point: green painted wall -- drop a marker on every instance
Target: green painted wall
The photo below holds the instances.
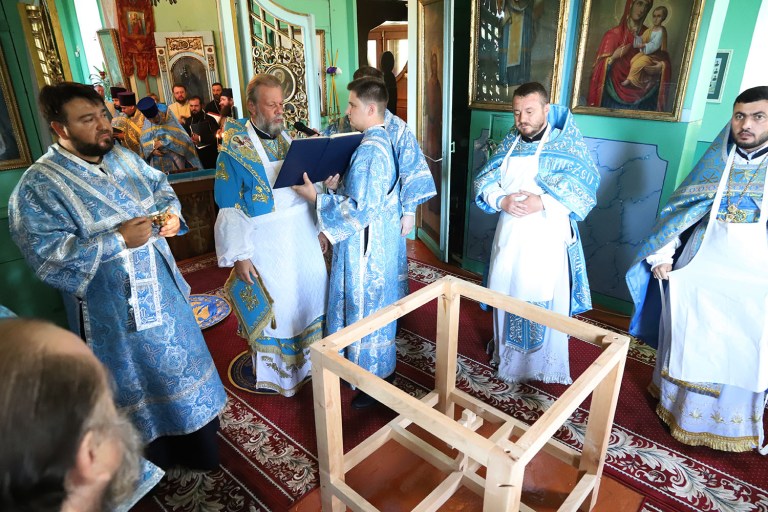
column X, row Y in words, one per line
column 740, row 19
column 20, row 290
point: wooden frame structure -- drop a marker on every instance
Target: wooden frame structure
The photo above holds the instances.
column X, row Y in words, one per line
column 504, row 460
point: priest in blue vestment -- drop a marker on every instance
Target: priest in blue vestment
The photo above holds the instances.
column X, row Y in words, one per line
column 543, row 180
column 710, row 247
column 165, row 145
column 92, row 219
column 362, row 221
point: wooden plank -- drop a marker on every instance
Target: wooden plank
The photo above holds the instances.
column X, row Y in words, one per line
column 598, row 434
column 571, row 326
column 463, row 439
column 503, row 482
column 579, row 493
column 426, row 451
column 354, row 332
column 330, row 444
column 446, row 349
column 442, row 493
column 482, row 409
column 554, row 417
column 351, row 498
column 364, row 450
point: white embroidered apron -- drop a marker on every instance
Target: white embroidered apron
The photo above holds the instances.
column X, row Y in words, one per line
column 718, row 304
column 527, row 252
column 288, row 237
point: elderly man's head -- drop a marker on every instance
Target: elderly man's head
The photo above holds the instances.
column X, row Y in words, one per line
column 265, row 103
column 64, row 446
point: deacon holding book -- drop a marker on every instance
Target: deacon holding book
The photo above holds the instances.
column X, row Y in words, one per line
column 416, row 182
column 270, row 237
column 362, row 221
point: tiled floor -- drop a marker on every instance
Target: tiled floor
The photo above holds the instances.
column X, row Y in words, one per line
column 394, row 479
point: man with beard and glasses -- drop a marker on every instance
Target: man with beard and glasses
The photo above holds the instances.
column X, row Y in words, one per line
column 270, row 237
column 710, row 244
column 202, row 130
column 541, row 180
column 65, row 446
column 212, row 107
column 92, row 219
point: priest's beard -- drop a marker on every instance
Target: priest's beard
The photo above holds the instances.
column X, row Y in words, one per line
column 759, row 141
column 123, row 482
column 92, row 149
column 274, row 128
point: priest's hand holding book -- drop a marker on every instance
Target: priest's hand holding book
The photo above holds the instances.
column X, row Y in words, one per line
column 308, row 190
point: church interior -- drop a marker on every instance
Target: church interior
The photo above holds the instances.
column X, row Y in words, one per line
column 454, row 77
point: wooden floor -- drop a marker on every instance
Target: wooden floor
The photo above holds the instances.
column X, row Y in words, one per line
column 394, row 479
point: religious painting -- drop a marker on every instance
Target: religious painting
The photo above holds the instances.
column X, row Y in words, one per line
column 719, row 71
column 515, row 42
column 634, row 57
column 111, row 50
column 136, row 26
column 14, row 152
column 191, row 72
column 430, row 106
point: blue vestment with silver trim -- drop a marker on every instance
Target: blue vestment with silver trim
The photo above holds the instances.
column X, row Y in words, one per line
column 64, row 216
column 362, row 220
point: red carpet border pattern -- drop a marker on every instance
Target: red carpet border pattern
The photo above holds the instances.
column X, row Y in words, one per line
column 285, row 470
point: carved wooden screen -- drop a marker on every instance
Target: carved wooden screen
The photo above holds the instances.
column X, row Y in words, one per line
column 277, row 48
column 46, row 58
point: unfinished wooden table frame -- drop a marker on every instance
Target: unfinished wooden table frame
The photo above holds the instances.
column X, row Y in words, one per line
column 505, row 461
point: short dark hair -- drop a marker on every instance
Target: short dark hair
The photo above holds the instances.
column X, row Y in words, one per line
column 370, row 90
column 368, row 71
column 48, row 401
column 217, row 83
column 531, row 88
column 179, row 85
column 752, row 95
column 195, row 97
column 52, row 99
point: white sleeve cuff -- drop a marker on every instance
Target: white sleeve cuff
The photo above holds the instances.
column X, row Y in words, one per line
column 664, row 255
column 493, row 197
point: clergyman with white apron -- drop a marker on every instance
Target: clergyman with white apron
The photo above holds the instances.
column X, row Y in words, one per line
column 542, row 180
column 711, row 373
column 271, row 238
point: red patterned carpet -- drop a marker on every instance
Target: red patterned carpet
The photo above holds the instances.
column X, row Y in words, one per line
column 268, row 442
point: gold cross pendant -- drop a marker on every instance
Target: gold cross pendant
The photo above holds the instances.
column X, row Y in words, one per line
column 735, row 214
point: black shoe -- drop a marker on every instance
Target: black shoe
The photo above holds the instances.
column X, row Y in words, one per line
column 363, row 400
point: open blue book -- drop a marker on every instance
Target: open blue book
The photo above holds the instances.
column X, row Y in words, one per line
column 319, row 157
